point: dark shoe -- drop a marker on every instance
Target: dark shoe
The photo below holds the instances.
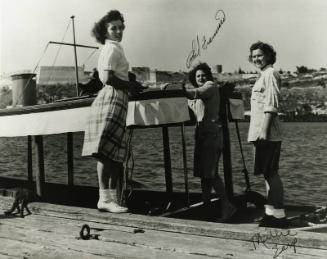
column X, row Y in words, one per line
column 263, row 219
column 227, row 213
column 272, row 222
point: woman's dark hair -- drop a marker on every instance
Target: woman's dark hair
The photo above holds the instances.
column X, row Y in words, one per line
column 267, row 49
column 201, row 66
column 99, row 30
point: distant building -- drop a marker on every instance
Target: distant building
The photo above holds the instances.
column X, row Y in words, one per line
column 156, row 76
column 53, row 75
column 166, row 76
column 217, row 69
column 142, row 73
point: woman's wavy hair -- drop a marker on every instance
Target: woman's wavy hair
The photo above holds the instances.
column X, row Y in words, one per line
column 99, row 30
column 267, row 49
column 201, row 66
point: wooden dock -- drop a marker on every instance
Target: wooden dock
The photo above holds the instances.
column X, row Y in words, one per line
column 52, row 231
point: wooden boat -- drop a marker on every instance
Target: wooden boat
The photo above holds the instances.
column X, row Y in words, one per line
column 169, row 203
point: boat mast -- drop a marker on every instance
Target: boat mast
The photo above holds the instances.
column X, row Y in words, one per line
column 75, row 52
column 76, row 67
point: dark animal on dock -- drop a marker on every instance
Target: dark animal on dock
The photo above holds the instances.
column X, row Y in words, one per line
column 22, row 198
column 91, row 87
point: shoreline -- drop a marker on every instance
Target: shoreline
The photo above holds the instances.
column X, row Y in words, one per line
column 298, row 118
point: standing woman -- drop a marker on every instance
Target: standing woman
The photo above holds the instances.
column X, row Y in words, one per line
column 104, row 136
column 208, row 136
column 265, row 132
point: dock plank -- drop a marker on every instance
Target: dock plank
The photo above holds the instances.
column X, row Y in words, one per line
column 115, row 244
column 179, row 246
column 65, row 232
column 70, row 245
column 11, row 248
column 227, row 231
column 53, row 233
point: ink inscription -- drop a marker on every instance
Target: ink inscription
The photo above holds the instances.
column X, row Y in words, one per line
column 276, row 240
column 202, row 43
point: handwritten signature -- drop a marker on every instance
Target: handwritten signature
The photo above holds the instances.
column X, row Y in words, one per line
column 203, row 44
column 275, row 240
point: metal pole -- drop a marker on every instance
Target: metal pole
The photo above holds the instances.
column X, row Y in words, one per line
column 76, row 67
column 70, row 44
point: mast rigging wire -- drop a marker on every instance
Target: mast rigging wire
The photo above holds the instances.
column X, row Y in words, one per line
column 87, row 59
column 58, row 51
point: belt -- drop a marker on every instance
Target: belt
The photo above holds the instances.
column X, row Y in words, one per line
column 218, row 122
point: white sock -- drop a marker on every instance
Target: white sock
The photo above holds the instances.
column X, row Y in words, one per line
column 104, row 195
column 279, row 213
column 269, row 210
column 113, row 195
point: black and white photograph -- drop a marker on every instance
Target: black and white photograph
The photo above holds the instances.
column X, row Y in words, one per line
column 163, row 129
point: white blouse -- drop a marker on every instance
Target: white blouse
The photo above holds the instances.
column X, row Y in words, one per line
column 112, row 57
column 265, row 98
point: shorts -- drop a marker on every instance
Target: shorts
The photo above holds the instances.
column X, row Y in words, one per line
column 266, row 157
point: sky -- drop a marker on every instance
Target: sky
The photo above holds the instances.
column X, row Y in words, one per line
column 159, row 33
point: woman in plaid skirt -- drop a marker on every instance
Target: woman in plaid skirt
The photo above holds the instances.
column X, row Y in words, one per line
column 104, row 136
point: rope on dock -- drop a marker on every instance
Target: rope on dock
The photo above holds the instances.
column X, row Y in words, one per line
column 85, row 232
column 128, row 171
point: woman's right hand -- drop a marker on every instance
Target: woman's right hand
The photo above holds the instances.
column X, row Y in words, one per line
column 135, row 88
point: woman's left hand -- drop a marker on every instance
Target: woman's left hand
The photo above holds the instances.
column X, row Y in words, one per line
column 139, row 87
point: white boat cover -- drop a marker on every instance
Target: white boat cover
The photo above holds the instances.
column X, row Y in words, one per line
column 140, row 113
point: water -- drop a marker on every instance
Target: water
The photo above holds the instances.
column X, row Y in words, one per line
column 303, row 165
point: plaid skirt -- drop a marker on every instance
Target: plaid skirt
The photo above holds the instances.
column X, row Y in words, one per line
column 105, row 131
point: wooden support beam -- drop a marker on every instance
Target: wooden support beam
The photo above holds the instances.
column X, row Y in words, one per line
column 185, row 166
column 226, row 150
column 167, row 161
column 29, row 160
column 70, row 158
column 40, row 175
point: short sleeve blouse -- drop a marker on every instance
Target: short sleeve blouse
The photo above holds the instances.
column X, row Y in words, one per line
column 265, row 98
column 112, row 57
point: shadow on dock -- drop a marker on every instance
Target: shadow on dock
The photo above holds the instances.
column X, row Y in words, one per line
column 155, row 203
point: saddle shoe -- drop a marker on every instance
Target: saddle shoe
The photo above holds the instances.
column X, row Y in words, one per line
column 111, row 206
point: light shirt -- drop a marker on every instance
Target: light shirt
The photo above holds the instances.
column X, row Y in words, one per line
column 265, row 98
column 112, row 57
column 197, row 106
column 206, row 108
